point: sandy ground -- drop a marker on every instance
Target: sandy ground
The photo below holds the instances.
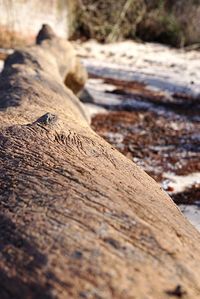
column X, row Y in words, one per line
column 192, row 213
column 160, row 67
column 160, row 75
column 1, row 65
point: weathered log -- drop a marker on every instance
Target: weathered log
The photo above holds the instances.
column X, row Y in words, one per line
column 78, row 219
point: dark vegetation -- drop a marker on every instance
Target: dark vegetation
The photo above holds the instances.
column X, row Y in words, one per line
column 166, row 21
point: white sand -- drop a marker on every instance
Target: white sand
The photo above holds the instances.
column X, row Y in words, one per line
column 192, row 213
column 1, row 65
column 180, row 183
column 160, row 67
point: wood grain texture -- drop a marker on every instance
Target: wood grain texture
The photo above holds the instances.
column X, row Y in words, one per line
column 78, row 219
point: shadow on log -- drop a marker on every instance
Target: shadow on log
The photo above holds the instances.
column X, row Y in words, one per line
column 78, row 219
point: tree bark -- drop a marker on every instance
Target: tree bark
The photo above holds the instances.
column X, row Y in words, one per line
column 78, row 219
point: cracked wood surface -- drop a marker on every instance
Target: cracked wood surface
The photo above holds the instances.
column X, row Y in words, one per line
column 78, row 219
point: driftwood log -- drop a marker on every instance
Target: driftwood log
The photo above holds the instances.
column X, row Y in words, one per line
column 78, row 219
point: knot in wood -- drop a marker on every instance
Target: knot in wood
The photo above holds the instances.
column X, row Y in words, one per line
column 47, row 119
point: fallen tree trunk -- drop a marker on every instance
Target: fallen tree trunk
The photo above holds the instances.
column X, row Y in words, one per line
column 78, row 219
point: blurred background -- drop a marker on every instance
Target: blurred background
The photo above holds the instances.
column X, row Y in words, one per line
column 143, row 90
column 174, row 22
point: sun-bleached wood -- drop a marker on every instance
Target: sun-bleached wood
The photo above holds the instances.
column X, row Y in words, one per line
column 78, row 219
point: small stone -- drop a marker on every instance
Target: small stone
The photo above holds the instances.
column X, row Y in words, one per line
column 170, row 189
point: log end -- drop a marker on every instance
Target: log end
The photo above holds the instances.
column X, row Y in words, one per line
column 76, row 78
